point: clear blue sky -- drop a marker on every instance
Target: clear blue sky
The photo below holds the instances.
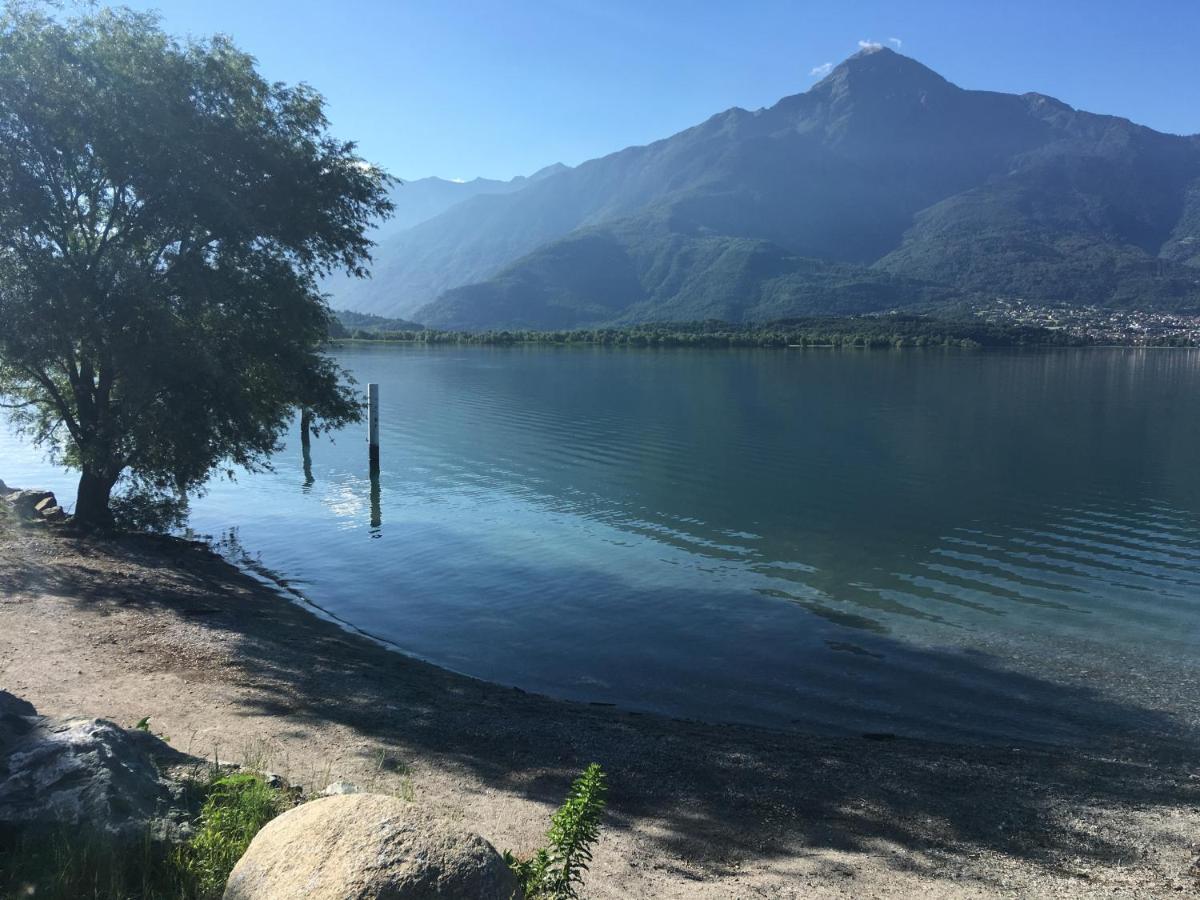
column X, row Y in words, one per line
column 503, row 87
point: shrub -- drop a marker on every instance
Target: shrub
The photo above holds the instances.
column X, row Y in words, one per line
column 555, row 872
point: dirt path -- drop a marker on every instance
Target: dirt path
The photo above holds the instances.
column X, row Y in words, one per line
column 154, row 627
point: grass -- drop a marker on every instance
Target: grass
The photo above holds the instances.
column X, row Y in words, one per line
column 236, row 808
column 67, row 865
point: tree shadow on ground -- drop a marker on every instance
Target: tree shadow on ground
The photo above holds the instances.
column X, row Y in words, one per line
column 714, row 795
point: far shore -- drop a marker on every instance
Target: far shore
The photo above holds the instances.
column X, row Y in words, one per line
column 826, row 346
column 140, row 626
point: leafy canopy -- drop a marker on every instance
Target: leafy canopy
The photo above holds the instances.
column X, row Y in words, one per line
column 165, row 216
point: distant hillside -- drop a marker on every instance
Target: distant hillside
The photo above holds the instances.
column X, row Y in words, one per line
column 630, row 273
column 417, row 201
column 883, row 186
column 421, row 199
column 347, row 322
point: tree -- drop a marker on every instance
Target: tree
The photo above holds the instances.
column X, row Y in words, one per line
column 165, row 215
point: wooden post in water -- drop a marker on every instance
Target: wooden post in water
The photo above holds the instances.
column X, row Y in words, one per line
column 306, row 445
column 373, row 427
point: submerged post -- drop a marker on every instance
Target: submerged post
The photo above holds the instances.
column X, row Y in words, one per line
column 306, row 446
column 373, row 426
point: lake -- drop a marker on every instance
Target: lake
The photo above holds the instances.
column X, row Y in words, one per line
column 956, row 545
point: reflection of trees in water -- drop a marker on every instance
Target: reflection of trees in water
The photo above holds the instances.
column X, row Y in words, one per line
column 306, row 448
column 229, row 545
column 862, row 466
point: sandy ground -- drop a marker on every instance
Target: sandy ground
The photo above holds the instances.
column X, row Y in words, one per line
column 154, row 627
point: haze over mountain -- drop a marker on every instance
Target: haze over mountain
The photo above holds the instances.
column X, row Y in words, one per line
column 883, row 186
column 420, row 199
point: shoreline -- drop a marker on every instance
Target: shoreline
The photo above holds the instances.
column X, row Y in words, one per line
column 998, row 348
column 140, row 625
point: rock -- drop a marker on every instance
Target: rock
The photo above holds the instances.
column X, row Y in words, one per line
column 11, row 704
column 338, row 788
column 5, row 490
column 368, row 847
column 54, row 514
column 26, row 502
column 16, row 717
column 79, row 772
column 47, row 502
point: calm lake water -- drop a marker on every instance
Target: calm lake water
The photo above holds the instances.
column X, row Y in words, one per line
column 954, row 545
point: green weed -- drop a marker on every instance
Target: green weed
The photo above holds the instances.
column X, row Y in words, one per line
column 236, row 808
column 556, row 871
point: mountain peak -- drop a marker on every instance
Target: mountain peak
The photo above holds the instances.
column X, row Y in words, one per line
column 876, row 65
column 883, row 167
column 547, row 171
column 869, row 49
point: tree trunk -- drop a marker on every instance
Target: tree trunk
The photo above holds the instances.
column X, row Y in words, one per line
column 91, row 502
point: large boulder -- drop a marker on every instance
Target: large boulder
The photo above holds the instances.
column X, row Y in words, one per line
column 82, row 773
column 17, row 719
column 26, row 502
column 368, row 847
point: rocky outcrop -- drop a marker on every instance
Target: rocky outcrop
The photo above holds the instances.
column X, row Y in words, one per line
column 86, row 773
column 368, row 847
column 33, row 504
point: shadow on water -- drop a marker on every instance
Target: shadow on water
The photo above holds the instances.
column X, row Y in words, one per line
column 717, row 795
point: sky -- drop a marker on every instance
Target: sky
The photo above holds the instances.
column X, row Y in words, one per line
column 498, row 88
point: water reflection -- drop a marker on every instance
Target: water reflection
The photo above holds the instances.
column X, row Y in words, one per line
column 764, row 536
column 306, row 448
column 306, row 462
column 376, row 505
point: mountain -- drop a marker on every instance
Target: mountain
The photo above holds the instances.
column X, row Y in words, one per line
column 345, row 323
column 883, row 186
column 419, row 200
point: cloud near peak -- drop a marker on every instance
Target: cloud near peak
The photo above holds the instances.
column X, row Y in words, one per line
column 870, row 45
column 899, row 43
column 822, row 70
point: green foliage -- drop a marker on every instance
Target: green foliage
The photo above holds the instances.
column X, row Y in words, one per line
column 347, row 322
column 556, row 871
column 69, row 864
column 238, row 806
column 888, row 331
column 166, row 215
column 143, row 507
column 636, row 271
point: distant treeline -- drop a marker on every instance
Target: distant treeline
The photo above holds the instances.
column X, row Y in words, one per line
column 870, row 331
column 346, row 323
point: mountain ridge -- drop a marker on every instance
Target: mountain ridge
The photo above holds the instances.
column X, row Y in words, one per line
column 884, row 179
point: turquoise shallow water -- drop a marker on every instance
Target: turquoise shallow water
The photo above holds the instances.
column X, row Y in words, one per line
column 955, row 545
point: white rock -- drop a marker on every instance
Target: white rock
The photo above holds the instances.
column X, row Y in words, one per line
column 368, row 847
column 338, row 788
